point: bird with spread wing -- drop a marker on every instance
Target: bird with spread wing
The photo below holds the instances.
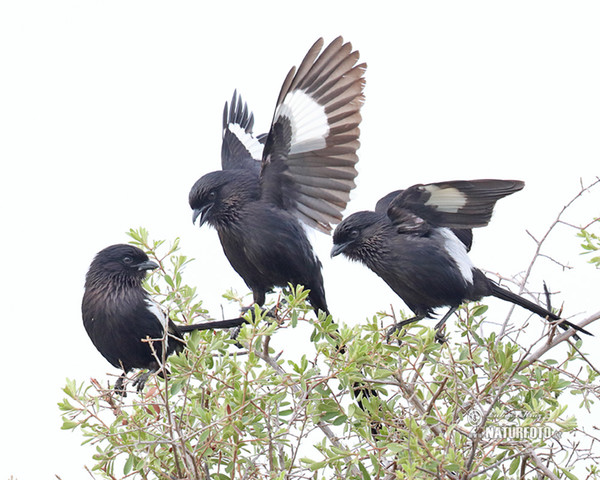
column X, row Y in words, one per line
column 300, row 173
column 417, row 241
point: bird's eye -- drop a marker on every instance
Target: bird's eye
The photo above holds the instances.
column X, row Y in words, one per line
column 127, row 260
column 212, row 195
column 354, row 233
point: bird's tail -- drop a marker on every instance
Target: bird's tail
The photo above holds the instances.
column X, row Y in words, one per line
column 216, row 324
column 503, row 294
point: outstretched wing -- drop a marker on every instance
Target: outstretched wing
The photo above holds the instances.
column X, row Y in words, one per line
column 456, row 204
column 383, row 203
column 309, row 157
column 240, row 149
column 465, row 235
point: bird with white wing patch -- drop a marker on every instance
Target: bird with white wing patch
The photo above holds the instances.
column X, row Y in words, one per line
column 305, row 174
column 417, row 241
column 124, row 323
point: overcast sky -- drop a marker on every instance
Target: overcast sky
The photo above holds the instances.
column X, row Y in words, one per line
column 109, row 111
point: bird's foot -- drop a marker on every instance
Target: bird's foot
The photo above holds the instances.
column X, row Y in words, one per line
column 271, row 313
column 362, row 392
column 393, row 329
column 398, row 326
column 234, row 334
column 119, row 387
column 440, row 337
column 140, row 381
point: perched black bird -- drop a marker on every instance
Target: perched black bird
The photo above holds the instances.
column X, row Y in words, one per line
column 118, row 314
column 302, row 170
column 417, row 241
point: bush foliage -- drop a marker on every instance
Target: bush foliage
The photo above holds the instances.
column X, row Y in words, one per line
column 478, row 406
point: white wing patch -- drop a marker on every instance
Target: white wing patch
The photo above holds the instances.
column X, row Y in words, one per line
column 457, row 250
column 250, row 142
column 308, row 120
column 449, row 200
column 155, row 309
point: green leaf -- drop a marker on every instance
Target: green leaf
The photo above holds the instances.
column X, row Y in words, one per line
column 364, row 471
column 395, row 447
column 243, row 415
column 568, row 474
column 340, row 420
column 65, row 405
column 514, row 465
column 128, row 464
column 69, row 425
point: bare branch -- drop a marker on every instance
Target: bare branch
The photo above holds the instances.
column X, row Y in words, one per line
column 556, row 340
column 322, row 425
column 540, row 465
column 539, row 243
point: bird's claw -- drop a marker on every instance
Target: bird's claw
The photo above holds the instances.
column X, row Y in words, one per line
column 271, row 313
column 440, row 337
column 393, row 329
column 140, row 381
column 119, row 387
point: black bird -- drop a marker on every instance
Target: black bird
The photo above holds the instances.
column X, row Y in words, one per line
column 417, row 241
column 302, row 170
column 119, row 315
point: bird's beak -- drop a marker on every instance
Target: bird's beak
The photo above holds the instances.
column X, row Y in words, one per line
column 148, row 265
column 338, row 248
column 201, row 212
column 195, row 215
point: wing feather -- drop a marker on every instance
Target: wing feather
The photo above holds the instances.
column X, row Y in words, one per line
column 309, row 158
column 455, row 204
column 240, row 148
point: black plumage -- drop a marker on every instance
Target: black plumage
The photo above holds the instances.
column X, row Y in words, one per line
column 301, row 171
column 417, row 241
column 119, row 315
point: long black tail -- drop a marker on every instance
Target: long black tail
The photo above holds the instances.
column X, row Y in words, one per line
column 216, row 324
column 503, row 294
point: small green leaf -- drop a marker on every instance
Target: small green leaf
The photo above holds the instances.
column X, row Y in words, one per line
column 69, row 425
column 569, row 474
column 128, row 464
column 514, row 465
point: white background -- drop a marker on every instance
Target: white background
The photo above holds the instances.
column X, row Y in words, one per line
column 109, row 111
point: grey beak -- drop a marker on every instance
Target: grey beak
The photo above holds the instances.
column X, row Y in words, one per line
column 197, row 212
column 338, row 248
column 201, row 212
column 147, row 265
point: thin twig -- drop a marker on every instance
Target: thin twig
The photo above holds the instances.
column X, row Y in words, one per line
column 321, row 425
column 540, row 465
column 556, row 340
column 539, row 243
column 481, row 426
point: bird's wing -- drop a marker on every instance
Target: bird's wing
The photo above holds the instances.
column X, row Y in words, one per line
column 155, row 309
column 384, row 202
column 309, row 157
column 240, row 148
column 465, row 235
column 457, row 204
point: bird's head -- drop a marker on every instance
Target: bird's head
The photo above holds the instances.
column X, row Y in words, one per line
column 121, row 260
column 355, row 234
column 215, row 196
